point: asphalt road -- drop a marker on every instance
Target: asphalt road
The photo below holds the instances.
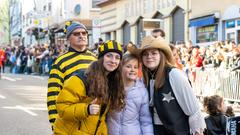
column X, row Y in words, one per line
column 23, row 109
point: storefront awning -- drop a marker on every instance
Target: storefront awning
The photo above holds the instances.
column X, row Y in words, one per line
column 203, row 21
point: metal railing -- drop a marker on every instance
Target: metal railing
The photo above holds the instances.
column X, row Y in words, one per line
column 212, row 81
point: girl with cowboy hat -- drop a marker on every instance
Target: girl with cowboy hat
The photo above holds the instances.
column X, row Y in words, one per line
column 86, row 97
column 173, row 105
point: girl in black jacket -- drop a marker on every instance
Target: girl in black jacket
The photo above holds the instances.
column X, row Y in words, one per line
column 216, row 121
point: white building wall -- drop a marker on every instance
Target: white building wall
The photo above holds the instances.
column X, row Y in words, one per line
column 61, row 11
column 57, row 12
column 69, row 8
column 131, row 10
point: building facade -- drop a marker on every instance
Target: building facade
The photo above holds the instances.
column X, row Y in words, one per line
column 76, row 10
column 46, row 21
column 4, row 22
column 214, row 23
column 16, row 22
column 36, row 22
column 130, row 20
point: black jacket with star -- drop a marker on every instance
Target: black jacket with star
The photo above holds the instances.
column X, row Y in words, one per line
column 169, row 111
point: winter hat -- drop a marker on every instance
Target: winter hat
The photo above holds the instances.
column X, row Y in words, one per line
column 109, row 46
column 74, row 26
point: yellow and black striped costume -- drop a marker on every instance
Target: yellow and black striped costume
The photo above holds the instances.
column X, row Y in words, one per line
column 62, row 69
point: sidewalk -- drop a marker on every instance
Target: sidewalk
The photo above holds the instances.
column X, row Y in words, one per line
column 7, row 69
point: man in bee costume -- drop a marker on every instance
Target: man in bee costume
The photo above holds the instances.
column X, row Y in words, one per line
column 77, row 58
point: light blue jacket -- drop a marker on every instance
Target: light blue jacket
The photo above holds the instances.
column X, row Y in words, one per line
column 135, row 119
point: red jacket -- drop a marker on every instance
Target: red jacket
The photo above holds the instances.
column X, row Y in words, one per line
column 2, row 53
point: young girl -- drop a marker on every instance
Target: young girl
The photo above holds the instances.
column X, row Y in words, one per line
column 135, row 119
column 173, row 105
column 86, row 97
column 216, row 121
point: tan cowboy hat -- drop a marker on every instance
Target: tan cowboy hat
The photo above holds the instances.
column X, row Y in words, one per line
column 150, row 42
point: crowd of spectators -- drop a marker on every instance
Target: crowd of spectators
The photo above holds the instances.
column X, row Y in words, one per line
column 225, row 55
column 31, row 60
column 38, row 59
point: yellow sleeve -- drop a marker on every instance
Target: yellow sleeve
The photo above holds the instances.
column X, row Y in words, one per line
column 55, row 84
column 70, row 105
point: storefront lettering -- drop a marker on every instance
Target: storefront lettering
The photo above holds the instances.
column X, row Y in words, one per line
column 206, row 29
column 230, row 24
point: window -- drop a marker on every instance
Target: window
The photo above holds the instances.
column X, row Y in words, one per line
column 207, row 34
column 50, row 6
column 44, row 8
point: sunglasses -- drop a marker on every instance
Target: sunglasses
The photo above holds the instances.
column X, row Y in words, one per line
column 77, row 34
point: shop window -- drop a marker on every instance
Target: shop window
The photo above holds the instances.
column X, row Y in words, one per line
column 207, row 34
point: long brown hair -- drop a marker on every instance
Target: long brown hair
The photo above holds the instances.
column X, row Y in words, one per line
column 106, row 87
column 160, row 71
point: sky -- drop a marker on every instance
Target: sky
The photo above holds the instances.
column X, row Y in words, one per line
column 27, row 5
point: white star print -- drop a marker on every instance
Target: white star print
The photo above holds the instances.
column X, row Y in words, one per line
column 168, row 97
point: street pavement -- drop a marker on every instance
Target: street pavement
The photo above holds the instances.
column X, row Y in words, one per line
column 23, row 109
